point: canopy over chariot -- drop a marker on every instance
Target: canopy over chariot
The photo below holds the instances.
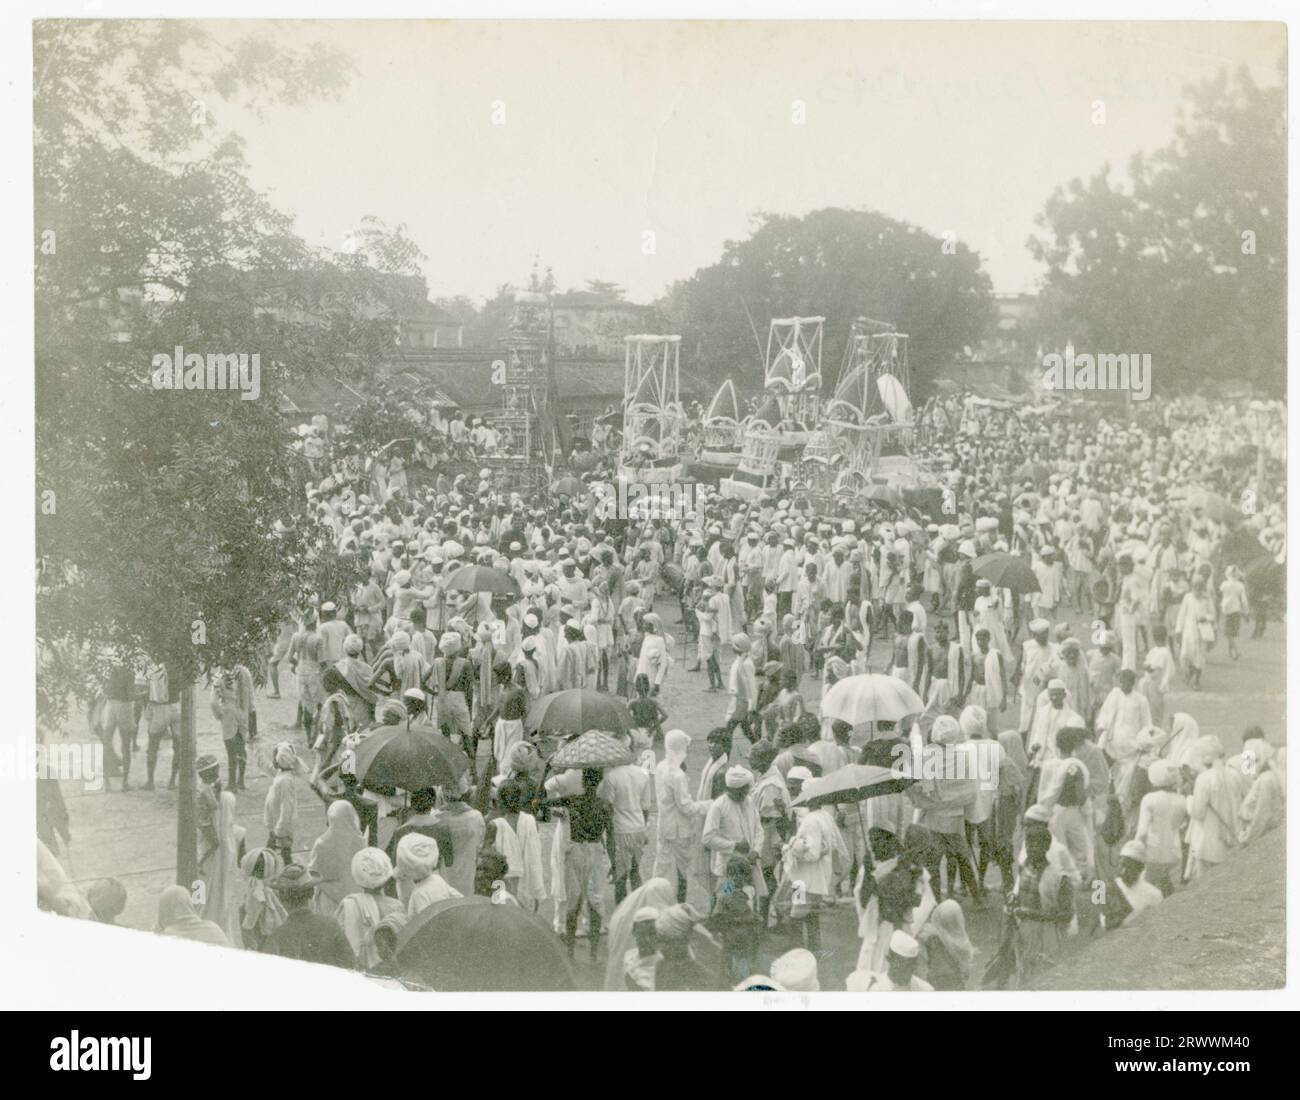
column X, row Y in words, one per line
column 653, row 418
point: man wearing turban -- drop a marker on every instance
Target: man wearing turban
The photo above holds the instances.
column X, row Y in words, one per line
column 418, row 883
column 362, row 912
column 732, row 827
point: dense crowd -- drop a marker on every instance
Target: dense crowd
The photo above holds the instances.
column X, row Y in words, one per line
column 1130, row 548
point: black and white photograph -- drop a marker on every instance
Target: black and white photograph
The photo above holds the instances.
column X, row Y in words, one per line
column 770, row 511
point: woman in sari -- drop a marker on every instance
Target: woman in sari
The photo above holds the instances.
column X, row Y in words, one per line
column 177, row 917
column 948, row 956
column 1264, row 806
column 1213, row 828
column 331, row 856
column 222, row 904
column 261, row 911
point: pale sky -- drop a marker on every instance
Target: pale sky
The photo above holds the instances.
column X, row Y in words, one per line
column 686, row 130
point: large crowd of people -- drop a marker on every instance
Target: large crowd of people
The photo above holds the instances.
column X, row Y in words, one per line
column 1151, row 539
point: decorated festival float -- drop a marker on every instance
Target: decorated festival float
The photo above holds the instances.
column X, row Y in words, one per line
column 774, row 437
column 653, row 417
column 525, row 417
column 857, row 448
column 722, row 430
column 871, row 422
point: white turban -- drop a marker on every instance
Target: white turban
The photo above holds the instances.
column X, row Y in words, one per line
column 676, row 745
column 974, row 721
column 946, row 730
column 1162, row 773
column 902, row 945
column 371, row 868
column 738, row 777
column 676, row 921
column 417, row 856
column 797, row 971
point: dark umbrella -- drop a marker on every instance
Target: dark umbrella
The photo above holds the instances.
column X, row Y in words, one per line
column 412, row 758
column 853, row 783
column 467, row 944
column 482, row 578
column 1006, row 571
column 578, row 710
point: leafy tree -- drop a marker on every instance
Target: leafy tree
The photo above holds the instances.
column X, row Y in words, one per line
column 605, row 289
column 171, row 523
column 491, row 324
column 838, row 264
column 460, row 307
column 1186, row 259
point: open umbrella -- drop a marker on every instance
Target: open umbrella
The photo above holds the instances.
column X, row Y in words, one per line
column 569, row 486
column 593, row 749
column 467, row 944
column 578, row 709
column 853, row 783
column 413, row 758
column 1006, row 571
column 482, row 578
column 870, row 697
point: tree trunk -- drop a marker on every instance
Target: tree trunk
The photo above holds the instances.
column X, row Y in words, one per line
column 187, row 865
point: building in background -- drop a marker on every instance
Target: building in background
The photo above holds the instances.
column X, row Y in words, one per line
column 591, row 324
column 1007, row 362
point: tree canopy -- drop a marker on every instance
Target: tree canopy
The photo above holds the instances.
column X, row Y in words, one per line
column 157, row 510
column 838, row 264
column 1186, row 259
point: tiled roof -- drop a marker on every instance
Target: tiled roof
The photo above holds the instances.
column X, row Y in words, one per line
column 463, row 377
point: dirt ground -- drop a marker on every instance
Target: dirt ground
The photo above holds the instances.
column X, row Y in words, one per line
column 131, row 837
column 1227, row 931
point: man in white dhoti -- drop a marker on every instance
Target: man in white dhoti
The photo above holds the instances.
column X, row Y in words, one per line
column 988, row 679
column 1037, row 665
column 1123, row 715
